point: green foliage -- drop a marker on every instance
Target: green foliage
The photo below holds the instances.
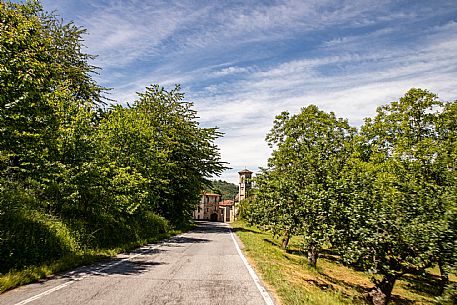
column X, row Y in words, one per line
column 291, row 281
column 297, row 194
column 446, row 166
column 158, row 142
column 42, row 73
column 29, row 236
column 385, row 198
column 75, row 176
column 226, row 189
column 403, row 166
column 249, row 210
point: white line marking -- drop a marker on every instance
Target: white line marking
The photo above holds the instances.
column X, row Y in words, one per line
column 85, row 275
column 266, row 296
column 36, row 297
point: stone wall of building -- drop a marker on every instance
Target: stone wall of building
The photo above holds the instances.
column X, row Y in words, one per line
column 208, row 207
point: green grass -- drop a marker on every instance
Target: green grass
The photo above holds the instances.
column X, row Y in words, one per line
column 15, row 278
column 292, row 281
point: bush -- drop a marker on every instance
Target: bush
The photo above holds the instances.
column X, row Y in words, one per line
column 107, row 231
column 29, row 236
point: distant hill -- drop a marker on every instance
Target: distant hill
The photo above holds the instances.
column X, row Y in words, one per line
column 226, row 189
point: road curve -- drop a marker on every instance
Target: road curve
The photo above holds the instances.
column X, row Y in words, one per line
column 202, row 266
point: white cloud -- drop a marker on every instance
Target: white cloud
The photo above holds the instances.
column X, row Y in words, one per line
column 247, row 107
column 234, row 61
column 230, row 70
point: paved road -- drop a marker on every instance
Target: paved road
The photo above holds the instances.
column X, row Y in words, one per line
column 202, row 266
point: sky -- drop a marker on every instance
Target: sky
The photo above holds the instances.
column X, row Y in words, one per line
column 243, row 62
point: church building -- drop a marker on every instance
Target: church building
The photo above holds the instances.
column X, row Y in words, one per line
column 208, row 207
column 212, row 208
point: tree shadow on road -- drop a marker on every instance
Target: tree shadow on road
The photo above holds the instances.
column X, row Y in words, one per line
column 117, row 265
column 188, row 240
column 209, row 227
column 131, row 267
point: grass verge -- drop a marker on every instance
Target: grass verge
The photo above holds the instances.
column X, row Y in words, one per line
column 293, row 282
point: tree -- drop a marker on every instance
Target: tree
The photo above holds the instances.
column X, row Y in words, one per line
column 298, row 187
column 158, row 137
column 445, row 165
column 71, row 168
column 226, row 189
column 43, row 73
column 273, row 206
column 395, row 192
column 48, row 103
column 27, row 95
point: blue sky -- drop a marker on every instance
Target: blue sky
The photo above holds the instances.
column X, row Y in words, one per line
column 243, row 62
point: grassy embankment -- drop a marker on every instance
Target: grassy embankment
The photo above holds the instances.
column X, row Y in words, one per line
column 293, row 282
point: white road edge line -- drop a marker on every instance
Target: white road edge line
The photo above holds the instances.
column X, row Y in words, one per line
column 266, row 296
column 94, row 272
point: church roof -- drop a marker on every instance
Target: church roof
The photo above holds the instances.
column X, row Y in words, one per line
column 212, row 194
column 226, row 202
column 245, row 171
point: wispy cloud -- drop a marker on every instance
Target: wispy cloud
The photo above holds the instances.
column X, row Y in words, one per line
column 230, row 70
column 242, row 63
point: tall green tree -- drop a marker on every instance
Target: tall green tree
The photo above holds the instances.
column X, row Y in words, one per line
column 274, row 205
column 73, row 173
column 48, row 107
column 43, row 72
column 299, row 185
column 395, row 192
column 28, row 121
column 158, row 136
column 446, row 177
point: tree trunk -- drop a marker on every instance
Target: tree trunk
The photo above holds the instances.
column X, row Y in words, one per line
column 313, row 254
column 444, row 275
column 380, row 295
column 285, row 240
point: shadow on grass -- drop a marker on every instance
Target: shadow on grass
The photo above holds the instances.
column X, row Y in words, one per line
column 398, row 300
column 321, row 285
column 245, row 230
column 426, row 285
column 359, row 288
column 423, row 284
column 331, row 256
column 296, row 252
column 272, row 243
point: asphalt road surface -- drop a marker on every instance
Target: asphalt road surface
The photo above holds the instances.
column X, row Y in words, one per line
column 203, row 266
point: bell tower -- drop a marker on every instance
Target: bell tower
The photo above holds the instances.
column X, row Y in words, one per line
column 245, row 184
